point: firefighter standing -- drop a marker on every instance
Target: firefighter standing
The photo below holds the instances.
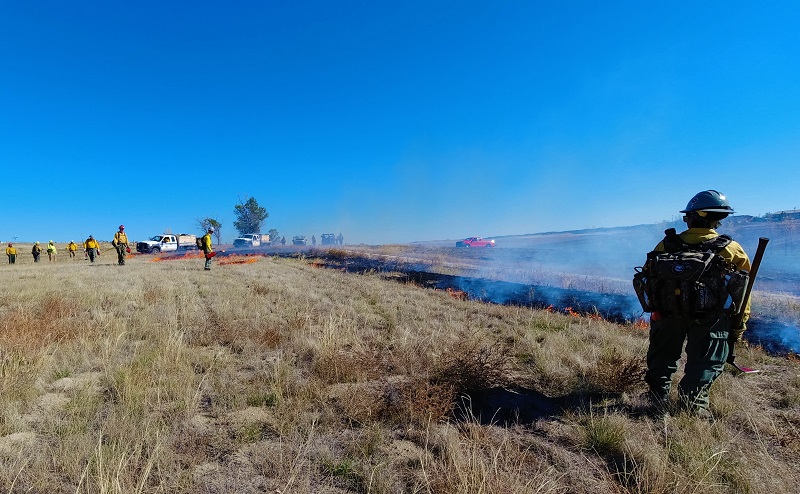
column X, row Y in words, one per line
column 11, row 252
column 72, row 247
column 709, row 337
column 120, row 243
column 91, row 248
column 36, row 250
column 51, row 251
column 207, row 250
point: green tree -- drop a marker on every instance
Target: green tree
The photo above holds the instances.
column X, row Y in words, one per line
column 249, row 216
column 273, row 235
column 207, row 223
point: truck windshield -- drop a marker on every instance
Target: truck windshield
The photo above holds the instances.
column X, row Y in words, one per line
column 157, row 238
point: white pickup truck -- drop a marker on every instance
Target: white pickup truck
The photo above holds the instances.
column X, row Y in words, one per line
column 251, row 240
column 167, row 242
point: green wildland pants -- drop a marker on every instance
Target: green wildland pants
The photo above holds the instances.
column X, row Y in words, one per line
column 707, row 349
column 121, row 253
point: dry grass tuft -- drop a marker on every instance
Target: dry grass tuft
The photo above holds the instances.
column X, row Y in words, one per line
column 614, row 373
column 472, row 364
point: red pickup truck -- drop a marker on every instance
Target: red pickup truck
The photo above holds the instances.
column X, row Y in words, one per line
column 475, row 242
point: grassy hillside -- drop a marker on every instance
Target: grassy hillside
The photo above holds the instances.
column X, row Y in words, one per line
column 279, row 376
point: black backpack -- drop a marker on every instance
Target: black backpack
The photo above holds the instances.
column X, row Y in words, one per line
column 199, row 242
column 690, row 280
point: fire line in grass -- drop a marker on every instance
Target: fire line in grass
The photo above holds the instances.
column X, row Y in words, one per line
column 224, row 258
column 238, row 260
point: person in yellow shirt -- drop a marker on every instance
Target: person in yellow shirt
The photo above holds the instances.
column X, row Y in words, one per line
column 91, row 248
column 11, row 252
column 207, row 250
column 120, row 243
column 36, row 250
column 51, row 251
column 708, row 336
column 72, row 247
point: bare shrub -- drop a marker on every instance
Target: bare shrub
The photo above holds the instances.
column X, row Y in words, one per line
column 398, row 401
column 471, row 364
column 614, row 373
column 421, row 401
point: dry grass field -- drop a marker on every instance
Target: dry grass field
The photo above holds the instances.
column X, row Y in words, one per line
column 279, row 376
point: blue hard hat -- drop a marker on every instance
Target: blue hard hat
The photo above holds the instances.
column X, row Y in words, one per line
column 710, row 201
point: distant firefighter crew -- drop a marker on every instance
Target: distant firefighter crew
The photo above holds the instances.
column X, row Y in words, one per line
column 36, row 250
column 11, row 252
column 72, row 247
column 207, row 250
column 91, row 248
column 701, row 318
column 51, row 251
column 120, row 243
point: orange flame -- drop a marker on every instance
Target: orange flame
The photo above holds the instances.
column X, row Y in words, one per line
column 238, row 260
column 188, row 255
column 230, row 259
column 457, row 294
column 592, row 316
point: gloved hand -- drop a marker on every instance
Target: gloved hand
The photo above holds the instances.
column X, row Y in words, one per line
column 735, row 334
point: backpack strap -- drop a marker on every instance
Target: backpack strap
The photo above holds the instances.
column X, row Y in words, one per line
column 672, row 241
column 716, row 245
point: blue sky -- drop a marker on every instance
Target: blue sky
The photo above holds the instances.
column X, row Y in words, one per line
column 392, row 121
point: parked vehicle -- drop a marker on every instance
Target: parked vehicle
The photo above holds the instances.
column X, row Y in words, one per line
column 328, row 239
column 250, row 240
column 299, row 240
column 167, row 242
column 475, row 242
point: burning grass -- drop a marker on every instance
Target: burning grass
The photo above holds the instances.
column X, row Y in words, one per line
column 222, row 258
column 272, row 376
